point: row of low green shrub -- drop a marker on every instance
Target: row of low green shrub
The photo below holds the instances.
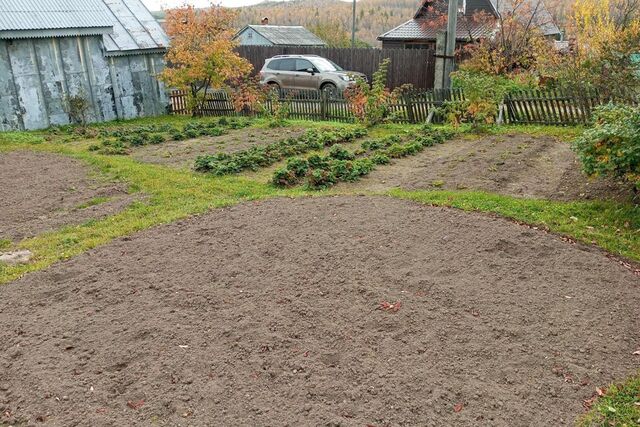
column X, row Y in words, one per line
column 121, row 140
column 261, row 156
column 340, row 164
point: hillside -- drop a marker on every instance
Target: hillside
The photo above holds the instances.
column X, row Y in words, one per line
column 331, row 19
column 374, row 17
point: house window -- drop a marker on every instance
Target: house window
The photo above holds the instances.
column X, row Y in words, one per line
column 250, row 35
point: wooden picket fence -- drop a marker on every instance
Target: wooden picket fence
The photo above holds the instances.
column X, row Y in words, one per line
column 549, row 107
column 556, row 106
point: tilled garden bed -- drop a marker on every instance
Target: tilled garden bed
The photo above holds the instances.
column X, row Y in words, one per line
column 320, row 311
column 41, row 192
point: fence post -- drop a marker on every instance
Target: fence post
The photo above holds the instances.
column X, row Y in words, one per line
column 409, row 102
column 324, row 101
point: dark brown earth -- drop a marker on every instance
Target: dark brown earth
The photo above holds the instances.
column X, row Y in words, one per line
column 515, row 165
column 41, row 192
column 267, row 314
column 182, row 154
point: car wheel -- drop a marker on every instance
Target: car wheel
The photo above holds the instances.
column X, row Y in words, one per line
column 330, row 90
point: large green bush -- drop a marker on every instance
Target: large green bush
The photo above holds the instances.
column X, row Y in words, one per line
column 612, row 146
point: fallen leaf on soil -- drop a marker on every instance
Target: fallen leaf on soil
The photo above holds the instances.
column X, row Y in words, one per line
column 601, row 392
column 636, row 353
column 588, row 403
column 387, row 306
column 458, row 407
column 135, row 404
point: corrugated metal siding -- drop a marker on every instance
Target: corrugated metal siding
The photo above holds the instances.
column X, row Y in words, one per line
column 53, row 14
column 36, row 75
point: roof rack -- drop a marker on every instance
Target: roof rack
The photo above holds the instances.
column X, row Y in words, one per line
column 294, row 54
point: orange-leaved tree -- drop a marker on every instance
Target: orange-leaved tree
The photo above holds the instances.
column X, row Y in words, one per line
column 202, row 55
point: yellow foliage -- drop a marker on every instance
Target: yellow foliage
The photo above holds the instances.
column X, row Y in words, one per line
column 201, row 55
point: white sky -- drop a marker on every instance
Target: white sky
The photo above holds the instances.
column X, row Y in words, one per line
column 160, row 4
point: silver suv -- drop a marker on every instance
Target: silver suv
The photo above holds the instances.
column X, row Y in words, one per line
column 307, row 72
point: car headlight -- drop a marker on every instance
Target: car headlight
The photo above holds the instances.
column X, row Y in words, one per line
column 346, row 78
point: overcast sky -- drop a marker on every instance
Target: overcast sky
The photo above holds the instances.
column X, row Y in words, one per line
column 159, row 4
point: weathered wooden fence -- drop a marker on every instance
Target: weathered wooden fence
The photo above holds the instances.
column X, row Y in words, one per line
column 408, row 66
column 555, row 106
column 550, row 107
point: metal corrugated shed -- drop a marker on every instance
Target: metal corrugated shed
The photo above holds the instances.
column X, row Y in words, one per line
column 286, row 35
column 127, row 26
column 50, row 18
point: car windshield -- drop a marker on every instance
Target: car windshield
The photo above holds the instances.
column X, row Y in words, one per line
column 324, row 65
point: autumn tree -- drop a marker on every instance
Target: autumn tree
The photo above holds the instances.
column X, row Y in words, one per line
column 201, row 55
column 604, row 35
column 511, row 43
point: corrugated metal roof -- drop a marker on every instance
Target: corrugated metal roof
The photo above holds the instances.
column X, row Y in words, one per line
column 127, row 25
column 134, row 28
column 418, row 29
column 53, row 14
column 287, row 35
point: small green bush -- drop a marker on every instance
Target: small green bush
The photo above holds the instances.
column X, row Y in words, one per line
column 319, row 179
column 380, row 159
column 298, row 166
column 340, row 153
column 178, row 136
column 612, row 146
column 284, row 177
column 156, row 138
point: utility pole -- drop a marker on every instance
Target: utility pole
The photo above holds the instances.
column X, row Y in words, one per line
column 450, row 49
column 353, row 26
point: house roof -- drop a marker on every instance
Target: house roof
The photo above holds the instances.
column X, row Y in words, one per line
column 134, row 29
column 286, row 35
column 127, row 26
column 46, row 18
column 418, row 28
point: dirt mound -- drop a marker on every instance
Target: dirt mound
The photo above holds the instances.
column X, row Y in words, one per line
column 41, row 192
column 516, row 165
column 319, row 311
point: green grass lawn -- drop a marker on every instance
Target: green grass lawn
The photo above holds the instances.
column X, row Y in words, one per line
column 174, row 194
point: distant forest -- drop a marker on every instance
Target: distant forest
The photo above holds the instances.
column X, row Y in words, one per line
column 331, row 19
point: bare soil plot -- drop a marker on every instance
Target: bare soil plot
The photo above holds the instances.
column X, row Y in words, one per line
column 270, row 313
column 41, row 192
column 516, row 165
column 182, row 154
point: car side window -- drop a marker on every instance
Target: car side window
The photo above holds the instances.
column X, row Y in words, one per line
column 287, row 65
column 303, row 65
column 274, row 65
